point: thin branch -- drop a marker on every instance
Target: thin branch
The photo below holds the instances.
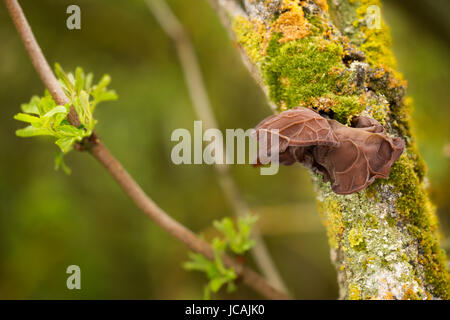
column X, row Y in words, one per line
column 113, row 166
column 227, row 10
column 202, row 105
column 38, row 59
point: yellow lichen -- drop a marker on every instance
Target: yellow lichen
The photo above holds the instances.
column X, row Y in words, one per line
column 353, row 292
column 252, row 36
column 332, row 220
column 376, row 42
column 356, row 238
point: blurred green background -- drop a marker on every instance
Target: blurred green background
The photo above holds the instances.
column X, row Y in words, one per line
column 49, row 221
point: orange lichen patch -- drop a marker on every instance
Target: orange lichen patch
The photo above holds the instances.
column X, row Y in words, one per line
column 322, row 5
column 379, row 73
column 292, row 23
column 410, row 294
column 397, row 81
column 389, row 296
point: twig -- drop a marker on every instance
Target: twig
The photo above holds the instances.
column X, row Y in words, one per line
column 113, row 166
column 202, row 105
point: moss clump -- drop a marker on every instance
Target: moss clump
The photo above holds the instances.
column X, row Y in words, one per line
column 420, row 167
column 317, row 24
column 404, row 123
column 347, row 107
column 301, row 61
column 419, row 215
column 300, row 70
column 413, row 202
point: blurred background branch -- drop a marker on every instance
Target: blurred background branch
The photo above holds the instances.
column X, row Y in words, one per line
column 202, row 106
column 431, row 15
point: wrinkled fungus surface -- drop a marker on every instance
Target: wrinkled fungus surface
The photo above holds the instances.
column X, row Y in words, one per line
column 351, row 158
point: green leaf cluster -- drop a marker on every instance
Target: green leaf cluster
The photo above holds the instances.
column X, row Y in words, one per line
column 46, row 118
column 235, row 239
column 84, row 96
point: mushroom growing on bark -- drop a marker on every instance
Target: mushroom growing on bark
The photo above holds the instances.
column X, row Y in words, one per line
column 351, row 158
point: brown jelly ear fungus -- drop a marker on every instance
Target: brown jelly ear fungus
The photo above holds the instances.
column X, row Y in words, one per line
column 351, row 158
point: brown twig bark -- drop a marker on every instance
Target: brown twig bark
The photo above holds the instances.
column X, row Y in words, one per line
column 113, row 166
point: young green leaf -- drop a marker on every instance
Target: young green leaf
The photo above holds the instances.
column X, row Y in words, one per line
column 45, row 117
column 31, row 131
column 55, row 110
column 59, row 163
column 32, row 106
column 64, row 80
column 27, row 118
column 79, row 80
column 88, row 82
column 66, row 143
column 235, row 239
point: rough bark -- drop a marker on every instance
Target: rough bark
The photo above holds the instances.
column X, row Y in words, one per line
column 384, row 240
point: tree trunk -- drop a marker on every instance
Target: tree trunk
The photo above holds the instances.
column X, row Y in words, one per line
column 384, row 240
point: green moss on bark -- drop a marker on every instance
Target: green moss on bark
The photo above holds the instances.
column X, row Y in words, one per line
column 418, row 214
column 384, row 239
column 297, row 71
